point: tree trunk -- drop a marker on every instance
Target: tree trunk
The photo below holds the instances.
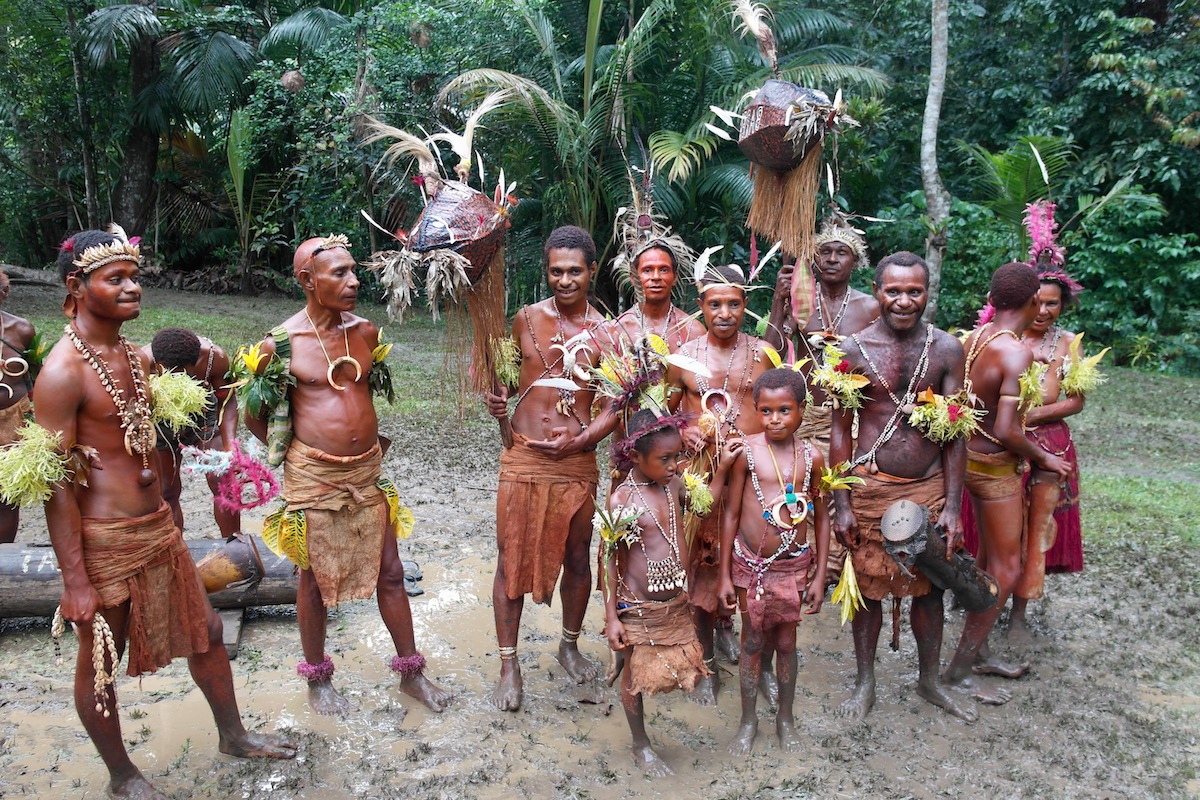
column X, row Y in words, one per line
column 84, row 110
column 135, row 186
column 937, row 199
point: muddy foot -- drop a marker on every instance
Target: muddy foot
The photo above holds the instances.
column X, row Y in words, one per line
column 508, row 692
column 726, row 643
column 859, row 704
column 648, row 760
column 135, row 788
column 789, row 740
column 432, row 696
column 768, row 687
column 616, row 663
column 944, row 700
column 705, row 692
column 743, row 741
column 994, row 666
column 1019, row 631
column 257, row 745
column 581, row 668
column 973, row 686
column 326, row 700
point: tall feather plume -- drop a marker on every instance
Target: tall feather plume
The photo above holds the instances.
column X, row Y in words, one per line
column 404, row 145
column 462, row 144
column 753, row 18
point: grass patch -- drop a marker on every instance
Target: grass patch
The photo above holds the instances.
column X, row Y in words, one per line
column 1149, row 511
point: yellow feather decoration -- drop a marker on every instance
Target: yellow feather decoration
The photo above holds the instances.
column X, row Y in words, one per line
column 846, row 593
column 1081, row 375
column 401, row 517
column 285, row 533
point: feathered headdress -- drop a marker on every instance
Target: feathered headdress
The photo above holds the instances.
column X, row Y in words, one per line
column 782, row 132
column 622, row 451
column 96, row 256
column 1071, row 288
column 837, row 228
column 636, row 229
column 1043, row 232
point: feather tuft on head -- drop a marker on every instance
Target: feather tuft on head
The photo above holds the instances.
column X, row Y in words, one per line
column 753, row 18
column 1043, row 232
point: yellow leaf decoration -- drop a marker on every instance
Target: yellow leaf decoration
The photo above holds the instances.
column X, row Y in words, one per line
column 31, row 466
column 837, row 378
column 772, row 355
column 835, row 478
column 380, row 353
column 944, row 419
column 658, row 344
column 1031, row 385
column 400, row 517
column 846, row 593
column 251, row 356
column 285, row 533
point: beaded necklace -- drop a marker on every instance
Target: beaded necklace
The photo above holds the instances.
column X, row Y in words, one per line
column 667, row 326
column 831, row 327
column 732, row 407
column 787, row 532
column 140, row 435
column 566, row 397
column 903, row 405
column 667, row 573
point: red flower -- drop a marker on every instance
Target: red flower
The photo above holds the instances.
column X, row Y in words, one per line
column 843, row 367
column 953, row 411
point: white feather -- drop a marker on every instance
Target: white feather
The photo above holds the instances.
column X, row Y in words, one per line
column 1041, row 164
column 557, row 383
column 702, row 262
column 727, row 117
column 689, row 364
column 718, row 132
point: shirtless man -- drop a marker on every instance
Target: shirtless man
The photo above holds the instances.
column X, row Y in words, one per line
column 548, row 477
column 839, row 310
column 16, row 334
column 332, row 473
column 655, row 270
column 996, row 360
column 120, row 553
column 902, row 356
column 203, row 361
column 723, row 408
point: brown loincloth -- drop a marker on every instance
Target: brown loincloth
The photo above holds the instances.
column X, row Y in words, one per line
column 878, row 574
column 993, row 476
column 11, row 420
column 144, row 560
column 664, row 653
column 816, row 427
column 346, row 515
column 537, row 499
column 783, row 586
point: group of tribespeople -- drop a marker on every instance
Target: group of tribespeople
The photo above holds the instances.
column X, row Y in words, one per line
column 725, row 487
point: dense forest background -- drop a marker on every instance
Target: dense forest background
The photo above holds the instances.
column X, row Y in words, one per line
column 222, row 133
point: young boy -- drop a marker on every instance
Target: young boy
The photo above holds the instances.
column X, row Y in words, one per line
column 773, row 493
column 645, row 599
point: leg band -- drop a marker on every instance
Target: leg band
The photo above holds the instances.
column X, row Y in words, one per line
column 316, row 673
column 571, row 636
column 508, row 653
column 408, row 666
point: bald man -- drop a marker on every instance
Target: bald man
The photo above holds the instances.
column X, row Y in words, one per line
column 332, row 480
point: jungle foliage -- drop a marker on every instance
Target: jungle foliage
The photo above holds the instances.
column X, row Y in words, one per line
column 224, row 132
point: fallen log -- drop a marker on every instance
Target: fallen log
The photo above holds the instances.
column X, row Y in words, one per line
column 31, row 583
column 30, row 277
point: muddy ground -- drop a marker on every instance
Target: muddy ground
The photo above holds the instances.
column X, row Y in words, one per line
column 1110, row 708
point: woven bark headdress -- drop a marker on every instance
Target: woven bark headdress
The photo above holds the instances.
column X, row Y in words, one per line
column 636, row 229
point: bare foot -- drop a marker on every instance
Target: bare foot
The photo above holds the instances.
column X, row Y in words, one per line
column 257, row 745
column 726, row 643
column 705, row 692
column 648, row 760
column 135, row 788
column 768, row 687
column 743, row 741
column 938, row 695
column 994, row 666
column 508, row 692
column 789, row 740
column 581, row 668
column 1019, row 631
column 432, row 696
column 973, row 686
column 860, row 703
column 326, row 700
column 616, row 663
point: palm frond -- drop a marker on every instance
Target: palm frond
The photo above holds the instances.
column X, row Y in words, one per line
column 121, row 26
column 730, row 183
column 680, row 154
column 307, row 29
column 212, row 67
column 800, row 23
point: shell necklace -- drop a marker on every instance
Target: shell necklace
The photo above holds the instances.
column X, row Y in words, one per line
column 335, row 363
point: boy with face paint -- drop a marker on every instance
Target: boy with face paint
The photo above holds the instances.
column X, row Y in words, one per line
column 332, row 473
column 120, row 553
column 548, row 477
column 16, row 334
